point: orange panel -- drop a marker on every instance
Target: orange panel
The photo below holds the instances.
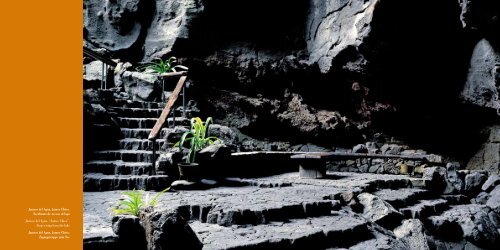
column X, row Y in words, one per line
column 41, row 122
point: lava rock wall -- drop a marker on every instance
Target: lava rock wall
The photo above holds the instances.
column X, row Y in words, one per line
column 329, row 72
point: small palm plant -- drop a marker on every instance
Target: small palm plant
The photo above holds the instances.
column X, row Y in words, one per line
column 162, row 66
column 133, row 202
column 197, row 138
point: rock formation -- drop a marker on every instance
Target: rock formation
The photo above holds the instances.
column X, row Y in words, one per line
column 372, row 64
column 385, row 77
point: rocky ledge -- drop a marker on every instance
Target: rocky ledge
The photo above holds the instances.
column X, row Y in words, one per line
column 344, row 210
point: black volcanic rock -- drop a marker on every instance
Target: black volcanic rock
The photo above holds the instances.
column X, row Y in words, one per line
column 117, row 26
column 477, row 223
column 326, row 72
column 474, row 182
column 491, row 183
column 378, row 211
column 481, row 88
column 168, row 229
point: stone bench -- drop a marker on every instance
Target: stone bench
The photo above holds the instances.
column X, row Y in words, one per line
column 313, row 165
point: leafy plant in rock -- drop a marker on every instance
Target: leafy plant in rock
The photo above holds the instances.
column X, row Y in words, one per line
column 160, row 66
column 153, row 202
column 197, row 138
column 133, row 201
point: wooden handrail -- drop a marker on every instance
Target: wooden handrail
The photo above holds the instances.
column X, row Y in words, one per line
column 168, row 107
column 99, row 57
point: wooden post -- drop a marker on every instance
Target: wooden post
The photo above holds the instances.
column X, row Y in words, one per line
column 156, row 131
column 168, row 107
column 153, row 161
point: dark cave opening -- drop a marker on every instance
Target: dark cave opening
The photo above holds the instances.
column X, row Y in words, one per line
column 248, row 43
column 277, row 24
column 418, row 56
column 420, row 67
column 418, row 59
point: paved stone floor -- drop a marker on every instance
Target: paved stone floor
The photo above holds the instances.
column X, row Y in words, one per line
column 269, row 203
column 344, row 210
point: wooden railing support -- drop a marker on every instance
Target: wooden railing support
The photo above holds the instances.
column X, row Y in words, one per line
column 105, row 62
column 99, row 57
column 156, row 131
column 153, row 145
column 168, row 107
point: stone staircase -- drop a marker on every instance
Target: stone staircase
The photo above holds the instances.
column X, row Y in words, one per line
column 281, row 212
column 413, row 203
column 336, row 230
column 127, row 164
column 312, row 222
column 287, row 212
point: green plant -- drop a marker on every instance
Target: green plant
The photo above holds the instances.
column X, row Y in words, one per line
column 160, row 66
column 153, row 202
column 197, row 138
column 133, row 202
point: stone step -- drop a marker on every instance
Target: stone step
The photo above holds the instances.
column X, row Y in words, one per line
column 100, row 182
column 179, row 121
column 340, row 229
column 455, row 199
column 245, row 206
column 150, row 122
column 148, row 112
column 241, row 205
column 124, row 155
column 100, row 241
column 140, row 144
column 478, row 224
column 139, row 104
column 127, row 122
column 362, row 182
column 141, row 133
column 225, row 206
column 382, row 240
column 136, row 112
column 283, row 209
column 117, row 167
column 403, row 197
column 424, row 208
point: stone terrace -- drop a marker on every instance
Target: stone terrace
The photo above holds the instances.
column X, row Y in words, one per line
column 281, row 210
